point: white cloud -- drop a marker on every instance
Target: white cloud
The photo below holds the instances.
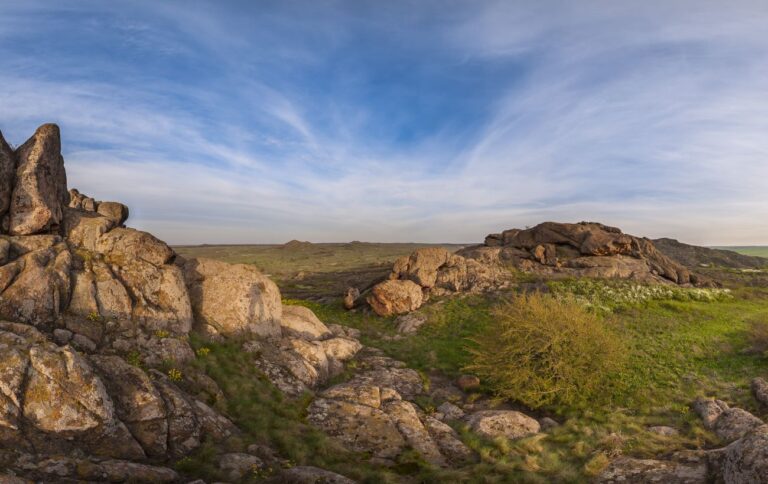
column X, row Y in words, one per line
column 649, row 117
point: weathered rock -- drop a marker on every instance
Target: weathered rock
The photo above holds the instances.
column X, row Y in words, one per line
column 236, row 465
column 308, row 475
column 733, row 423
column 62, row 399
column 359, row 427
column 648, row 471
column 138, row 403
column 450, row 411
column 760, row 390
column 410, row 323
column 301, row 322
column 351, row 297
column 468, row 382
column 395, row 297
column 664, row 431
column 503, row 423
column 746, row 460
column 416, row 435
column 233, row 299
column 709, row 410
column 114, row 211
column 7, row 176
column 40, row 189
column 35, row 287
column 421, row 267
column 447, row 440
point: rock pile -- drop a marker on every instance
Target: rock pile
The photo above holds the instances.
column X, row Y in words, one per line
column 428, row 272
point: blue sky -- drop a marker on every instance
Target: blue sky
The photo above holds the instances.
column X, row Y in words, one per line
column 431, row 121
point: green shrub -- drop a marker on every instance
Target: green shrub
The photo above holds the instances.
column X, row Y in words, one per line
column 542, row 350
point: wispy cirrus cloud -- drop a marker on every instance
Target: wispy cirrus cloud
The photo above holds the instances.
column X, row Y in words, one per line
column 328, row 121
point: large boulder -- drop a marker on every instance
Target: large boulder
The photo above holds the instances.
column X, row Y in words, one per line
column 232, row 299
column 40, row 189
column 395, row 297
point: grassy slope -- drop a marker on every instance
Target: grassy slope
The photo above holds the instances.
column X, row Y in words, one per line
column 677, row 350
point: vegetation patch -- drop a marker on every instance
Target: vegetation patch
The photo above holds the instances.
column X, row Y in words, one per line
column 542, row 350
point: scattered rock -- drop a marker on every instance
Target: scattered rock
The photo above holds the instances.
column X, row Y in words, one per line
column 468, row 382
column 664, row 431
column 760, row 390
column 238, row 465
column 410, row 323
column 450, row 411
column 548, row 424
column 351, row 297
column 503, row 423
column 454, row 450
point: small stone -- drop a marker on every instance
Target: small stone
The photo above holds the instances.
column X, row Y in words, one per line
column 548, row 424
column 350, row 298
column 468, row 382
column 663, row 431
column 450, row 411
column 237, row 465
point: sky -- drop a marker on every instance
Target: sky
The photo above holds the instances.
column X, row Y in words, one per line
column 429, row 121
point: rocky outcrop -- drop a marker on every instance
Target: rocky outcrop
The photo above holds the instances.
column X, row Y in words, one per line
column 232, row 299
column 373, row 412
column 99, row 309
column 584, row 249
column 40, row 186
column 432, row 271
column 55, row 399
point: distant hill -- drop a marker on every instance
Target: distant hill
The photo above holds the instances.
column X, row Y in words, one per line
column 694, row 256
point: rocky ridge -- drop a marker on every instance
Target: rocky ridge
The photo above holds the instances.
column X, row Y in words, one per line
column 91, row 311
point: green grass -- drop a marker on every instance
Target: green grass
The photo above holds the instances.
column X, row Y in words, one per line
column 677, row 348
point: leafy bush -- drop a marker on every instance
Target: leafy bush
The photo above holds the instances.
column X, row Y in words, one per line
column 543, row 349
